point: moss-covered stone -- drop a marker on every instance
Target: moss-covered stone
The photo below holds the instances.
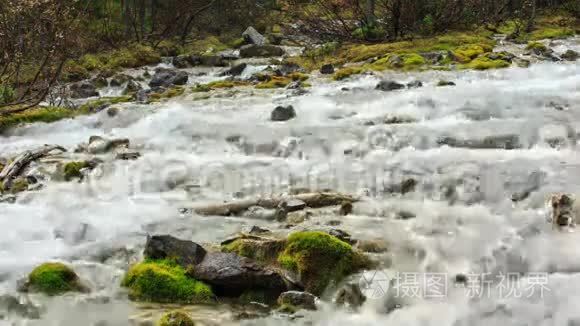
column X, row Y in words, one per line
column 537, row 47
column 347, row 72
column 466, row 53
column 19, row 185
column 484, row 63
column 54, row 279
column 164, row 281
column 257, row 248
column 72, row 170
column 270, row 82
column 320, row 259
column 168, row 93
column 220, row 84
column 175, row 318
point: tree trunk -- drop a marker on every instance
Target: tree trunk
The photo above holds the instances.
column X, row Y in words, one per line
column 532, row 15
column 370, row 12
column 127, row 17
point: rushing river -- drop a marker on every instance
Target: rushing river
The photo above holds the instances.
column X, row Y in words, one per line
column 470, row 147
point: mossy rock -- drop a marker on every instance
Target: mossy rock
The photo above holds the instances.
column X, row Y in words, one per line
column 466, row 53
column 537, row 48
column 485, row 63
column 72, row 170
column 257, row 248
column 320, row 259
column 220, row 84
column 175, row 318
column 54, row 279
column 347, row 72
column 169, row 93
column 164, row 281
column 19, row 185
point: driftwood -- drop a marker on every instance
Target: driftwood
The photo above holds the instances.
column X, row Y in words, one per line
column 312, row 200
column 13, row 170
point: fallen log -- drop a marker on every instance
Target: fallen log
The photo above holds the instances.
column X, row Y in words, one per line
column 13, row 170
column 312, row 200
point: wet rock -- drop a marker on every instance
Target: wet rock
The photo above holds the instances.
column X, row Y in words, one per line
column 212, row 61
column 258, row 230
column 230, row 275
column 296, row 299
column 132, row 87
column 396, row 61
column 100, row 145
column 405, row 215
column 293, row 205
column 120, row 79
column 341, row 235
column 83, row 89
column 570, row 55
column 522, row 63
column 9, row 199
column 327, row 69
column 168, row 77
column 444, row 83
column 182, row 61
column 345, row 209
column 100, row 82
column 415, row 84
column 175, row 318
column 283, row 113
column 112, row 111
column 11, row 306
column 392, row 119
column 261, row 213
column 257, row 247
column 128, row 156
column 251, row 51
column 186, row 253
column 503, row 55
column 389, row 85
column 350, row 295
column 433, row 57
column 287, row 68
column 235, row 70
column 372, row 246
column 252, row 36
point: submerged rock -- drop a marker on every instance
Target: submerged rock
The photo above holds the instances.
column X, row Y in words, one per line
column 570, row 55
column 443, row 83
column 389, row 85
column 299, row 300
column 283, row 113
column 120, row 79
column 100, row 145
column 168, row 77
column 132, row 87
column 350, row 295
column 415, row 84
column 235, row 70
column 182, row 61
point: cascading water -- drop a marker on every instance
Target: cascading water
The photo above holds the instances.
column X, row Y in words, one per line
column 470, row 148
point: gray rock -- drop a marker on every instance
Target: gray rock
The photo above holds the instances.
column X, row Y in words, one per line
column 301, row 300
column 288, row 68
column 11, row 306
column 235, row 70
column 100, row 82
column 522, row 63
column 251, row 51
column 293, row 205
column 433, row 57
column 350, row 295
column 212, row 61
column 119, row 80
column 132, row 87
column 283, row 113
column 252, row 36
column 389, row 85
column 443, row 83
column 182, row 61
column 570, row 55
column 100, row 145
column 231, row 275
column 327, row 69
column 168, row 77
column 83, row 89
column 415, row 84
column 112, row 111
column 127, row 156
column 185, row 253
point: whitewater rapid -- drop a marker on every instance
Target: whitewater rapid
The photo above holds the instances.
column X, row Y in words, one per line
column 218, row 149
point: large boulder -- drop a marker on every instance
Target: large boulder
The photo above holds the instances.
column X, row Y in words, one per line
column 253, row 50
column 252, row 36
column 389, row 85
column 83, row 89
column 298, row 300
column 283, row 113
column 168, row 77
column 182, row 61
column 185, row 253
column 231, row 275
column 120, row 79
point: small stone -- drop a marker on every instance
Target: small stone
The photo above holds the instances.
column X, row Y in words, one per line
column 443, row 83
column 112, row 111
column 415, row 84
column 128, row 156
column 235, row 70
column 283, row 113
column 327, row 69
column 570, row 55
column 293, row 205
column 389, row 85
column 301, row 300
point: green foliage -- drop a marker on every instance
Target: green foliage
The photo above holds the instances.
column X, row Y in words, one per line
column 54, row 279
column 371, row 32
column 164, row 281
column 175, row 318
column 320, row 259
column 73, row 170
column 428, row 24
column 7, row 94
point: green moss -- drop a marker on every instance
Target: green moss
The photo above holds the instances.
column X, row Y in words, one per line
column 208, row 45
column 551, row 33
column 237, row 43
column 94, row 105
column 288, row 309
column 220, row 84
column 319, row 259
column 347, row 72
column 165, row 282
column 19, row 185
column 536, row 46
column 175, row 318
column 262, row 251
column 72, row 170
column 54, row 279
column 40, row 114
column 467, row 53
column 413, row 59
column 91, row 62
column 484, row 63
column 168, row 93
column 169, row 48
column 73, row 71
column 275, row 82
